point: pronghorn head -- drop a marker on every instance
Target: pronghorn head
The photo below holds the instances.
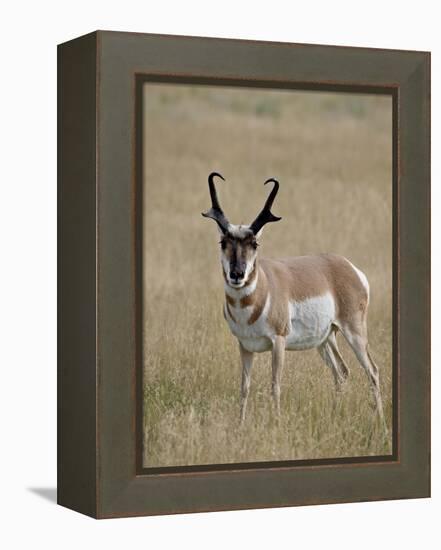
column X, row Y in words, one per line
column 239, row 242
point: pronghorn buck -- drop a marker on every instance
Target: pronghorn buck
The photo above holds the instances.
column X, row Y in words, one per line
column 295, row 303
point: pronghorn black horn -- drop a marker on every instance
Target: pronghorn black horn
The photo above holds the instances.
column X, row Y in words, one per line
column 266, row 215
column 215, row 212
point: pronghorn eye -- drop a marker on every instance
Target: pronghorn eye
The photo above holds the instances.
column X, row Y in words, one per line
column 223, row 244
column 255, row 244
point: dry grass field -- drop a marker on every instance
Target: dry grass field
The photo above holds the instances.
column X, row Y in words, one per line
column 332, row 155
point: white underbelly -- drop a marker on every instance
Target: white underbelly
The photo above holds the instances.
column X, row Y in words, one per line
column 257, row 344
column 310, row 322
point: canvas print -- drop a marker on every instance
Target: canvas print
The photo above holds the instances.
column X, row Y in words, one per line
column 267, row 324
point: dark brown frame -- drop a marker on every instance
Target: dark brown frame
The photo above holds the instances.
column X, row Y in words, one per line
column 99, row 374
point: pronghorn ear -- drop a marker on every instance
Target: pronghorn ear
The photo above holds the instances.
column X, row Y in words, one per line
column 259, row 234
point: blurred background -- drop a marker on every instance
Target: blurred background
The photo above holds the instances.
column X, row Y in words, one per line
column 332, row 153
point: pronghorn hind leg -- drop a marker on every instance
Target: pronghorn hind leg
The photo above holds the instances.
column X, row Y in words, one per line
column 358, row 341
column 326, row 353
column 278, row 358
column 247, row 363
column 342, row 366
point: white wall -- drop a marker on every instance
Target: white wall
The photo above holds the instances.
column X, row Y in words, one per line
column 29, row 34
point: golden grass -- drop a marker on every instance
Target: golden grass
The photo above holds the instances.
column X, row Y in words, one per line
column 332, row 155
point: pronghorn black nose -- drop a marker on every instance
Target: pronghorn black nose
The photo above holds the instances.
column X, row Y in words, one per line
column 237, row 274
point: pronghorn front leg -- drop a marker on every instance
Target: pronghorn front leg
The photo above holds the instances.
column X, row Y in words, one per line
column 278, row 358
column 247, row 362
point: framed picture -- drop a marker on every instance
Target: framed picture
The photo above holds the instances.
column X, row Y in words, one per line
column 275, row 350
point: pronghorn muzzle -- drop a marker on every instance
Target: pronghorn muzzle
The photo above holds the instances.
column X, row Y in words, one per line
column 237, row 273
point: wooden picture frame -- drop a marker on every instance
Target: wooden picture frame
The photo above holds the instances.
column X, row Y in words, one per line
column 99, row 407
